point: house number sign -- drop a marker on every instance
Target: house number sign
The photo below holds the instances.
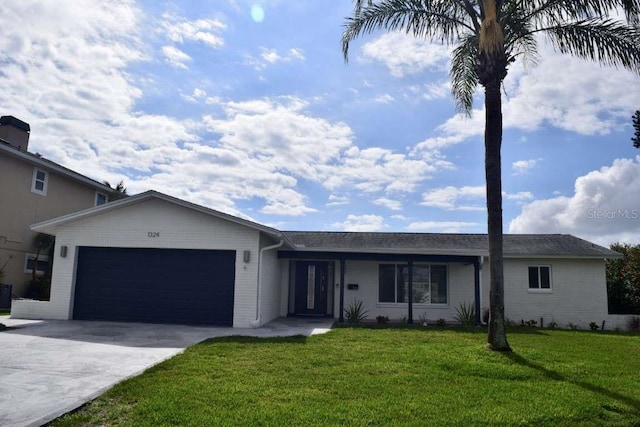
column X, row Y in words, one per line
column 153, row 234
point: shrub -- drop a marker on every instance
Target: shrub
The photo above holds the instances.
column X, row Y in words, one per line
column 441, row 322
column 465, row 314
column 423, row 319
column 382, row 319
column 530, row 323
column 552, row 325
column 593, row 326
column 634, row 324
column 355, row 312
column 573, row 326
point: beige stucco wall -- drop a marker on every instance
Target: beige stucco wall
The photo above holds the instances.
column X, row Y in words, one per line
column 178, row 228
column 20, row 207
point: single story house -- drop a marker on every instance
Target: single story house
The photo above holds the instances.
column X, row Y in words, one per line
column 155, row 258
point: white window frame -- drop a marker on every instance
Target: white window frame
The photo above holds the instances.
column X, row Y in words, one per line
column 540, row 289
column 35, row 179
column 98, row 194
column 395, row 286
column 41, row 257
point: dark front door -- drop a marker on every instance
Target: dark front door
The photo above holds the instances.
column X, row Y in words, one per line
column 311, row 287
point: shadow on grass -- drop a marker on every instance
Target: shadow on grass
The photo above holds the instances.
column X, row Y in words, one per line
column 553, row 375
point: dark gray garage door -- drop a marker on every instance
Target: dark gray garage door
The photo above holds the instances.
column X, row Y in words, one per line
column 155, row 285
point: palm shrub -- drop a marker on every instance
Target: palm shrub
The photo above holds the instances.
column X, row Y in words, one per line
column 355, row 312
column 487, row 36
column 465, row 314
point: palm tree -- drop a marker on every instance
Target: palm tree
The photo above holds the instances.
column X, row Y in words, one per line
column 487, row 36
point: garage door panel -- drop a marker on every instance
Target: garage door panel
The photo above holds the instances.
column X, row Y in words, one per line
column 155, row 285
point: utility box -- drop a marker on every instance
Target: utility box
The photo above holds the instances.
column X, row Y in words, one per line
column 5, row 296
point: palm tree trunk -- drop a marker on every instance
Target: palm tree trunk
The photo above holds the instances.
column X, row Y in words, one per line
column 497, row 337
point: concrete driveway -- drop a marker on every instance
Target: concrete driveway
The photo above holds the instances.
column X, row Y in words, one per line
column 50, row 367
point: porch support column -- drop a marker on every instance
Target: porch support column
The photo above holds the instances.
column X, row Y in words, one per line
column 476, row 280
column 410, row 314
column 342, row 265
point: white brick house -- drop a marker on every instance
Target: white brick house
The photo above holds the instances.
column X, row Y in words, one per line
column 155, row 258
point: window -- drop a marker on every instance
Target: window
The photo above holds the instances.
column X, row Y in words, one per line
column 429, row 284
column 540, row 277
column 41, row 267
column 101, row 199
column 39, row 185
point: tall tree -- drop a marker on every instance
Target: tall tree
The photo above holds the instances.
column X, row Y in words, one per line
column 488, row 35
column 121, row 190
column 636, row 127
column 623, row 280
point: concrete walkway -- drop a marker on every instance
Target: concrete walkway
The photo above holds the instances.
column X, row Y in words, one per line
column 50, row 367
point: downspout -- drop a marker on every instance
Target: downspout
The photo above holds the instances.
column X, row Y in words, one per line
column 481, row 262
column 256, row 323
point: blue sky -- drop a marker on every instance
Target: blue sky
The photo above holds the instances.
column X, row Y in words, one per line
column 258, row 115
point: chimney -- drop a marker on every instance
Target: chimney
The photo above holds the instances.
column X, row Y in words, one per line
column 15, row 132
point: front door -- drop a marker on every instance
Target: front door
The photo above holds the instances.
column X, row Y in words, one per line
column 311, row 287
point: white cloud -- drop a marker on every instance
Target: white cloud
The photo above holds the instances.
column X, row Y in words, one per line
column 448, row 198
column 337, row 200
column 604, row 207
column 442, row 226
column 384, row 99
column 175, row 56
column 206, row 31
column 466, row 198
column 405, row 54
column 361, row 223
column 522, row 167
column 280, row 143
column 541, row 96
column 394, row 205
column 272, row 56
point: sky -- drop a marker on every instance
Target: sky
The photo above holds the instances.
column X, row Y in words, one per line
column 249, row 108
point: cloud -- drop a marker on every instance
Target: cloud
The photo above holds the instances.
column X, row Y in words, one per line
column 522, row 167
column 405, row 54
column 464, row 198
column 448, row 198
column 394, row 205
column 541, row 96
column 175, row 56
column 206, row 31
column 443, row 226
column 604, row 207
column 337, row 200
column 361, row 223
column 269, row 57
column 384, row 99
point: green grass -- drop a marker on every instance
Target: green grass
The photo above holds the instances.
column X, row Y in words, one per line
column 384, row 376
column 5, row 311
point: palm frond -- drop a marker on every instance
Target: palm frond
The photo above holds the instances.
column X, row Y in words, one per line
column 464, row 79
column 608, row 42
column 432, row 19
column 558, row 11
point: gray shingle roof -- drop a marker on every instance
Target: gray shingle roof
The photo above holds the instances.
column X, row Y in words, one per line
column 515, row 245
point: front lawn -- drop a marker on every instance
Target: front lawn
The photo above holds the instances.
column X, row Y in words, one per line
column 380, row 377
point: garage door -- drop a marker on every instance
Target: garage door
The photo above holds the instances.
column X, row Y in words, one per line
column 155, row 285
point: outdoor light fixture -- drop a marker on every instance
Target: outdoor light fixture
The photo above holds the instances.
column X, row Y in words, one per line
column 63, row 251
column 247, row 256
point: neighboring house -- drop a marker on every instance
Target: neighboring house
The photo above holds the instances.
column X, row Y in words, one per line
column 34, row 189
column 155, row 258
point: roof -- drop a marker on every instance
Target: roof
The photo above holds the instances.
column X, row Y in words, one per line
column 514, row 246
column 50, row 225
column 37, row 160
